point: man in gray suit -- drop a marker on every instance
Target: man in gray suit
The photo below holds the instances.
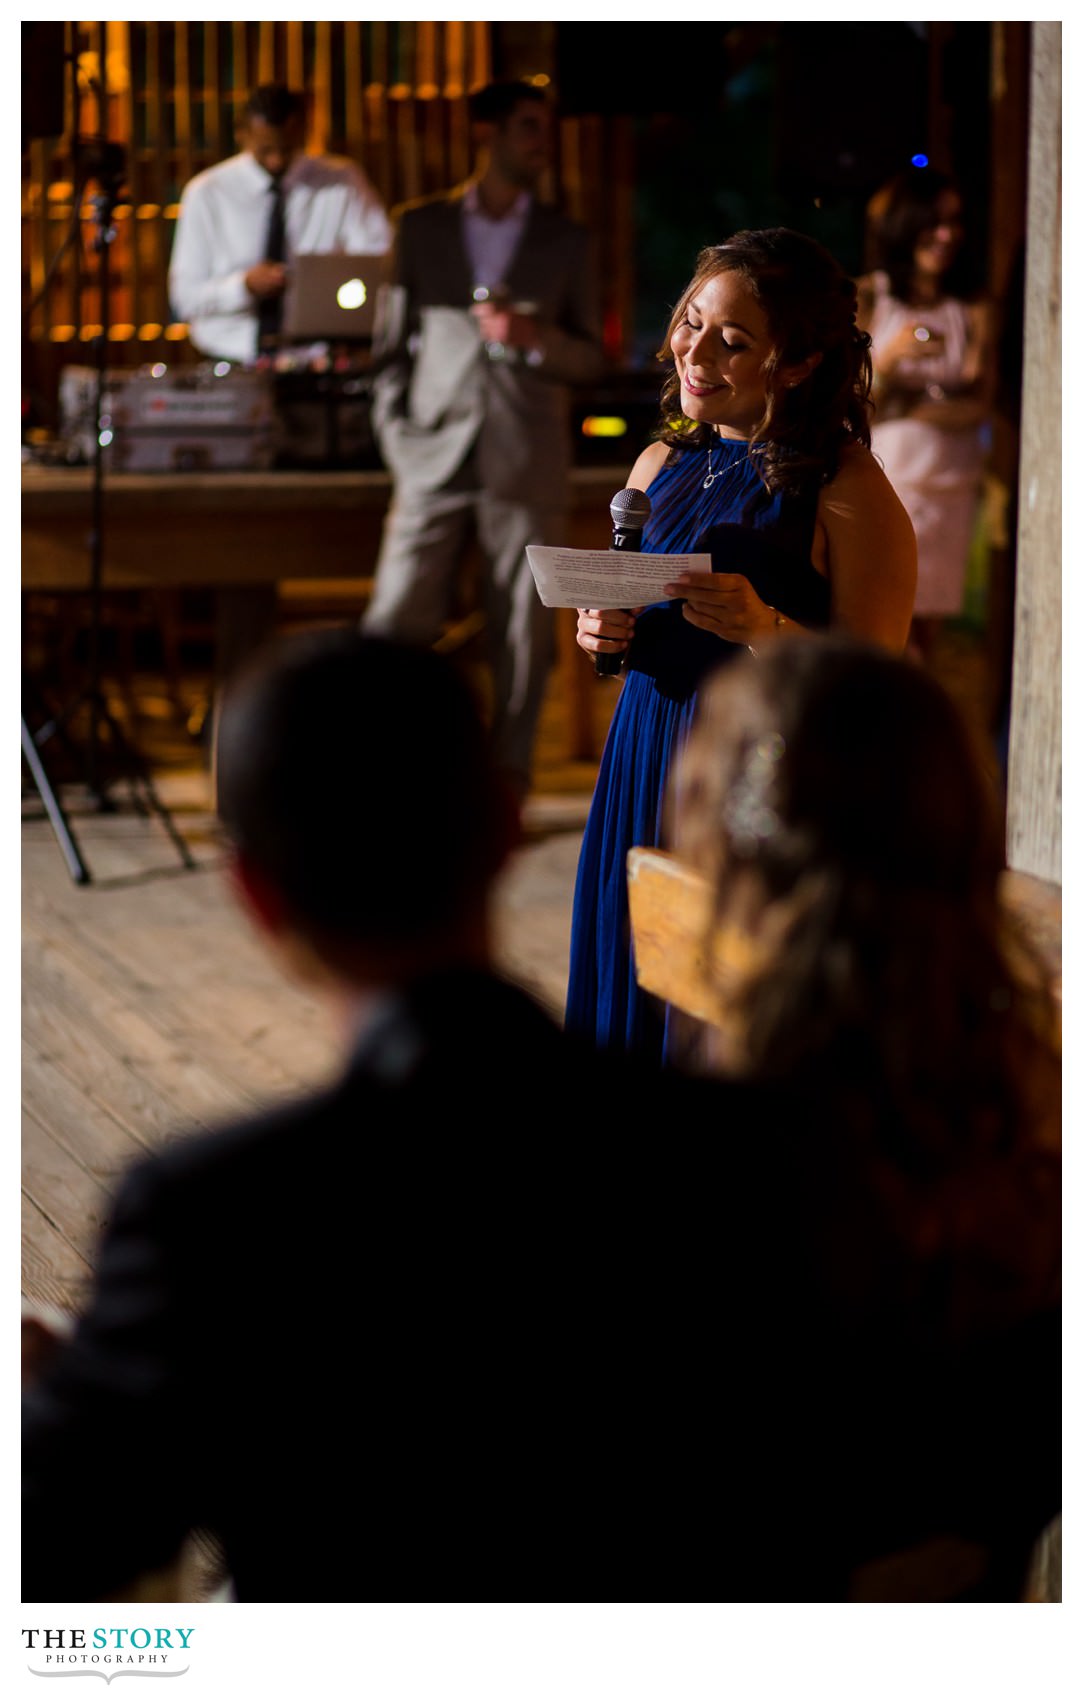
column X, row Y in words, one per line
column 491, row 310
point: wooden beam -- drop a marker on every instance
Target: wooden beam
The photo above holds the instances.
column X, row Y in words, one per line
column 1007, row 213
column 1034, row 758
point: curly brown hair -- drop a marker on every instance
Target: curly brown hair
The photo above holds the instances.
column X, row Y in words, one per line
column 895, row 219
column 811, row 308
column 835, row 800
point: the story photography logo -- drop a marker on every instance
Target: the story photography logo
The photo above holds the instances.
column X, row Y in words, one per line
column 108, row 1650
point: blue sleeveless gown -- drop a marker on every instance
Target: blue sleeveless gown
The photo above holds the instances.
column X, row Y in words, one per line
column 745, row 529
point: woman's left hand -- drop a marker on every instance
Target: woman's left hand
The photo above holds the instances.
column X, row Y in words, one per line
column 723, row 603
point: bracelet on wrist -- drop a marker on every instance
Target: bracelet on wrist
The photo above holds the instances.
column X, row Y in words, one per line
column 779, row 619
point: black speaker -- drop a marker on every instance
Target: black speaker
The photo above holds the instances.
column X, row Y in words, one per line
column 43, row 80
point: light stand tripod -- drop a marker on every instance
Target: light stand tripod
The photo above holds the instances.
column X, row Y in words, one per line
column 102, row 162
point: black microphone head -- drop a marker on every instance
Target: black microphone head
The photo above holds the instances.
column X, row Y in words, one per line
column 630, row 509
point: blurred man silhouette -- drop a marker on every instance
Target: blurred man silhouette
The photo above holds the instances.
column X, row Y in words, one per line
column 241, row 220
column 338, row 1332
column 493, row 310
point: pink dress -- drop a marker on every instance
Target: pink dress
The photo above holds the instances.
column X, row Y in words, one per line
column 936, row 473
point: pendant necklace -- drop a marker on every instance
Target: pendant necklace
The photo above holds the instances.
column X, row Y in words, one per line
column 712, row 475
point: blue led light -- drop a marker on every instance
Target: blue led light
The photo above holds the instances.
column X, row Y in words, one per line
column 919, row 159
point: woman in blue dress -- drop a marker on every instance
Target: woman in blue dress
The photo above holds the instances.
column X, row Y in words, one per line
column 762, row 460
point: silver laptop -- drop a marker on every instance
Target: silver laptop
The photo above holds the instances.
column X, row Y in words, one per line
column 331, row 297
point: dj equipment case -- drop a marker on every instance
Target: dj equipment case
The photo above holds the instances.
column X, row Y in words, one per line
column 190, row 419
column 197, row 419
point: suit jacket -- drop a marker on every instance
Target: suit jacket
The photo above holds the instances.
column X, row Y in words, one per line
column 490, row 1298
column 354, row 1331
column 439, row 393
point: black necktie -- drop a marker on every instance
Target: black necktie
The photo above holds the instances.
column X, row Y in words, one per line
column 269, row 309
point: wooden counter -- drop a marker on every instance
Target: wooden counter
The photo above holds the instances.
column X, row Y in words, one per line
column 233, row 528
column 244, row 533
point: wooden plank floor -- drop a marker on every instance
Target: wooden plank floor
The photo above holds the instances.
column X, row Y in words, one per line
column 151, row 1010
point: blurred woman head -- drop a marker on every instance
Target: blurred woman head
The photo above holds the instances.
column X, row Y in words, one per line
column 810, row 308
column 833, row 797
column 914, row 226
column 852, row 844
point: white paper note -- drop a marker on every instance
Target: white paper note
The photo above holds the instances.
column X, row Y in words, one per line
column 605, row 578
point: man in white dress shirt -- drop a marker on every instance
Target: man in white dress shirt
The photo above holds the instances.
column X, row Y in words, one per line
column 240, row 221
column 492, row 311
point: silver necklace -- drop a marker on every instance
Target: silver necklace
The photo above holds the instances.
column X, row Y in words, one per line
column 712, row 475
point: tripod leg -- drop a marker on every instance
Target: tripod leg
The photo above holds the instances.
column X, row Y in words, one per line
column 64, row 835
column 141, row 785
column 168, row 822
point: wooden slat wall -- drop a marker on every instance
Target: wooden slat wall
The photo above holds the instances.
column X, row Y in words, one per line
column 393, row 95
column 211, row 127
column 352, row 65
column 322, row 121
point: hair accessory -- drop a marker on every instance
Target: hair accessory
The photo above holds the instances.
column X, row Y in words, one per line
column 747, row 811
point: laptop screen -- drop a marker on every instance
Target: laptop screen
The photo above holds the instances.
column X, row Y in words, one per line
column 331, row 297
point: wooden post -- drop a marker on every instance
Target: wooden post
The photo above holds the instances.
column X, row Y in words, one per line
column 1034, row 757
column 1007, row 213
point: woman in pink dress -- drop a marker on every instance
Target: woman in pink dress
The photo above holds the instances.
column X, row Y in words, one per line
column 932, row 379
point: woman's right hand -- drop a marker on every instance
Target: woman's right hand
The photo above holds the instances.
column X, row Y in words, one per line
column 906, row 344
column 605, row 631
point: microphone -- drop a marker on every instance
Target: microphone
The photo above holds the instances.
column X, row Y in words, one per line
column 629, row 510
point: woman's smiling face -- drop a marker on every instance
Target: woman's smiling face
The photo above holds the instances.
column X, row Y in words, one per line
column 719, row 347
column 938, row 244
